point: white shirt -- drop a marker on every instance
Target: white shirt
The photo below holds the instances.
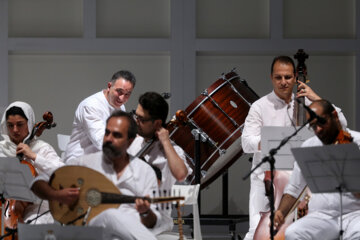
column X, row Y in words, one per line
column 269, row 110
column 156, row 156
column 138, row 178
column 89, row 126
column 45, row 163
column 327, row 203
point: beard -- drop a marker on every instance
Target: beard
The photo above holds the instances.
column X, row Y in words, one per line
column 148, row 135
column 110, row 151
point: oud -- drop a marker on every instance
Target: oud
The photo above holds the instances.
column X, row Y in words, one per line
column 97, row 193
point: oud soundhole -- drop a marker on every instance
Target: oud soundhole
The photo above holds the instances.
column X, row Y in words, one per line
column 93, row 197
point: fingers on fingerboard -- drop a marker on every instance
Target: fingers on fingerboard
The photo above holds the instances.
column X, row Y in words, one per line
column 166, row 193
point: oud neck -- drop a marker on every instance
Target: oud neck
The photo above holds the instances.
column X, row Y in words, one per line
column 119, row 198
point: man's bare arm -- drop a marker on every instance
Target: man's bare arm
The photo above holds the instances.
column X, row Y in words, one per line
column 44, row 191
column 286, row 203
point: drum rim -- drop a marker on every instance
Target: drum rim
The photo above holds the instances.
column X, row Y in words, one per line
column 224, row 81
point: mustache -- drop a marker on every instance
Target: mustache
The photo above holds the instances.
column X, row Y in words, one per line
column 110, row 150
column 108, row 146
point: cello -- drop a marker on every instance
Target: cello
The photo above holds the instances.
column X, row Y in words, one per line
column 281, row 178
column 11, row 215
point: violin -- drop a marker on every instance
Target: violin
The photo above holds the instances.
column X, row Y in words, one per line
column 343, row 137
column 11, row 217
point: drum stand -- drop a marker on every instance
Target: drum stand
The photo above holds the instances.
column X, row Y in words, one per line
column 224, row 218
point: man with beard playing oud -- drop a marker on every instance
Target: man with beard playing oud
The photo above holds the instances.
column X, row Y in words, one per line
column 130, row 175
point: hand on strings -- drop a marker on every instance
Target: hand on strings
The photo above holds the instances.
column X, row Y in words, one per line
column 278, row 219
column 305, row 91
column 142, row 206
column 67, row 196
column 176, row 163
column 24, row 149
column 20, row 207
column 148, row 218
column 303, row 207
column 163, row 135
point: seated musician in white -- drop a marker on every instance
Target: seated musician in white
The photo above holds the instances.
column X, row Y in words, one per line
column 150, row 116
column 16, row 126
column 322, row 220
column 131, row 175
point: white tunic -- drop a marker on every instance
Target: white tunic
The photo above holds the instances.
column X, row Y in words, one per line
column 156, row 157
column 45, row 163
column 89, row 126
column 138, row 179
column 324, row 208
column 269, row 110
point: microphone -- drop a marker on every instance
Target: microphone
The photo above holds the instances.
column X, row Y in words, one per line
column 312, row 114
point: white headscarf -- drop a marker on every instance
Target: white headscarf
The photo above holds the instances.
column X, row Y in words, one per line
column 7, row 147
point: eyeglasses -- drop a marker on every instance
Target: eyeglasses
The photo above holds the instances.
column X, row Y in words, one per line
column 316, row 124
column 139, row 118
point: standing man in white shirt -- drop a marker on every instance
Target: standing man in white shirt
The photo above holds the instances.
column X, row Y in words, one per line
column 274, row 109
column 91, row 114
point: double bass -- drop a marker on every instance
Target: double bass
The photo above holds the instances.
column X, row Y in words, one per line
column 281, row 178
column 11, row 216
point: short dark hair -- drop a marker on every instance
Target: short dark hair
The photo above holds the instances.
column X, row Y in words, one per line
column 132, row 131
column 127, row 75
column 326, row 105
column 282, row 59
column 156, row 105
column 15, row 111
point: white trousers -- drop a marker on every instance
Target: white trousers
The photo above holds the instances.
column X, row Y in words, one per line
column 120, row 224
column 258, row 202
column 321, row 226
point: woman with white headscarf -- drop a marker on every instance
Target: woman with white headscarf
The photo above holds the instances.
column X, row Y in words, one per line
column 16, row 127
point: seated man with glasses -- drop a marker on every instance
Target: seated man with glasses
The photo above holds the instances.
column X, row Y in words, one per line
column 150, row 116
column 322, row 221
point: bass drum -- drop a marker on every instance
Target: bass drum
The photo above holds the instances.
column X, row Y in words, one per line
column 219, row 114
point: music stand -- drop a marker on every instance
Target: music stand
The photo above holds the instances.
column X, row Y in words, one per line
column 15, row 179
column 56, row 231
column 272, row 136
column 330, row 168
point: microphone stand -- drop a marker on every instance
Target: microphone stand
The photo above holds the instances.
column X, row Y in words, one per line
column 11, row 232
column 271, row 160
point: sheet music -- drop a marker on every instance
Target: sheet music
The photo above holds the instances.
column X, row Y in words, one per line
column 272, row 136
column 15, row 179
column 326, row 167
column 39, row 231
